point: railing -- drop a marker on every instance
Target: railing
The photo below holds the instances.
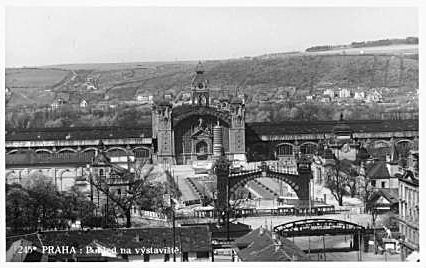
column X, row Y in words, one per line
column 275, row 166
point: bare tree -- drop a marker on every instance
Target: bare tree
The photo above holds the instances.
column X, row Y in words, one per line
column 140, row 190
column 365, row 189
column 337, row 181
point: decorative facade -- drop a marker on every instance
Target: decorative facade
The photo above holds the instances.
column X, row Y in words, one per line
column 409, row 213
column 184, row 134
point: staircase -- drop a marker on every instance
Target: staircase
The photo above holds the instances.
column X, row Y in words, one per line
column 259, row 188
column 181, row 172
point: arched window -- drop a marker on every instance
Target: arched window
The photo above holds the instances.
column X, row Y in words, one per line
column 308, row 148
column 285, row 149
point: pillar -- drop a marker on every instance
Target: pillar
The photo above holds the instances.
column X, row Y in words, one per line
column 305, row 175
column 221, row 170
column 217, row 141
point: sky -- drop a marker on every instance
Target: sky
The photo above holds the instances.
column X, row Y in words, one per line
column 37, row 36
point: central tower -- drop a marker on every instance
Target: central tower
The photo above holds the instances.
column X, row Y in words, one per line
column 200, row 91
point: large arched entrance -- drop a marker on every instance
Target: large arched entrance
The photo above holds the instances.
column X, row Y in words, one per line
column 193, row 137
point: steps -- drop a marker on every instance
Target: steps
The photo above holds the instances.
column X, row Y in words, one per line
column 181, row 172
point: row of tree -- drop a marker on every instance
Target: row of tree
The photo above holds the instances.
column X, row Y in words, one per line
column 37, row 204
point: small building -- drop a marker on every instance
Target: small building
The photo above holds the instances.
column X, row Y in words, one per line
column 186, row 96
column 375, row 96
column 326, row 99
column 310, row 97
column 329, row 92
column 143, row 99
column 408, row 219
column 61, row 99
column 383, row 201
column 360, row 95
column 344, row 93
column 380, row 177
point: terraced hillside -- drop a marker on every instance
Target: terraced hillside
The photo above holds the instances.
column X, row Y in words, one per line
column 253, row 76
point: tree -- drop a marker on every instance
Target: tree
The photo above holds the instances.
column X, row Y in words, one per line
column 353, row 181
column 141, row 190
column 46, row 206
column 17, row 203
column 365, row 189
column 337, row 181
column 76, row 206
column 37, row 204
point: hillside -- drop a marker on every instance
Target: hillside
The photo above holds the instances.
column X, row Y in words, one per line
column 250, row 74
column 275, row 86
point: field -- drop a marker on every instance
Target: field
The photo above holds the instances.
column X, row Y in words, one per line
column 34, row 77
column 31, row 96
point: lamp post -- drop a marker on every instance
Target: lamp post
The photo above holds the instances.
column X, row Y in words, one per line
column 227, row 210
column 167, row 198
column 373, row 215
column 174, row 230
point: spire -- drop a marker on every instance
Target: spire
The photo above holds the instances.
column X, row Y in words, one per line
column 101, row 146
column 199, row 69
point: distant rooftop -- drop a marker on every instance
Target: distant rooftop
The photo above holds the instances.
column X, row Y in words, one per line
column 80, row 133
column 258, row 128
column 306, row 127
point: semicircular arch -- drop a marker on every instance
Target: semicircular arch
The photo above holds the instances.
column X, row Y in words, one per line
column 200, row 112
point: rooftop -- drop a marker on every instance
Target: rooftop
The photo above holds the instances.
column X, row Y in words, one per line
column 31, row 158
column 409, row 178
column 264, row 128
column 78, row 133
column 378, row 170
column 308, row 127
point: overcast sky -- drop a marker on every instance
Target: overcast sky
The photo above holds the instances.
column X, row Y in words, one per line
column 44, row 35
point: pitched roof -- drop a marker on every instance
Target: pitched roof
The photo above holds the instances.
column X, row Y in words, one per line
column 78, row 133
column 320, row 127
column 258, row 245
column 378, row 170
column 410, row 178
column 391, row 195
column 220, row 232
column 30, row 158
column 264, row 128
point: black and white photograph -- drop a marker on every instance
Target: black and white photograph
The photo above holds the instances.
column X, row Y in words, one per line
column 211, row 134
